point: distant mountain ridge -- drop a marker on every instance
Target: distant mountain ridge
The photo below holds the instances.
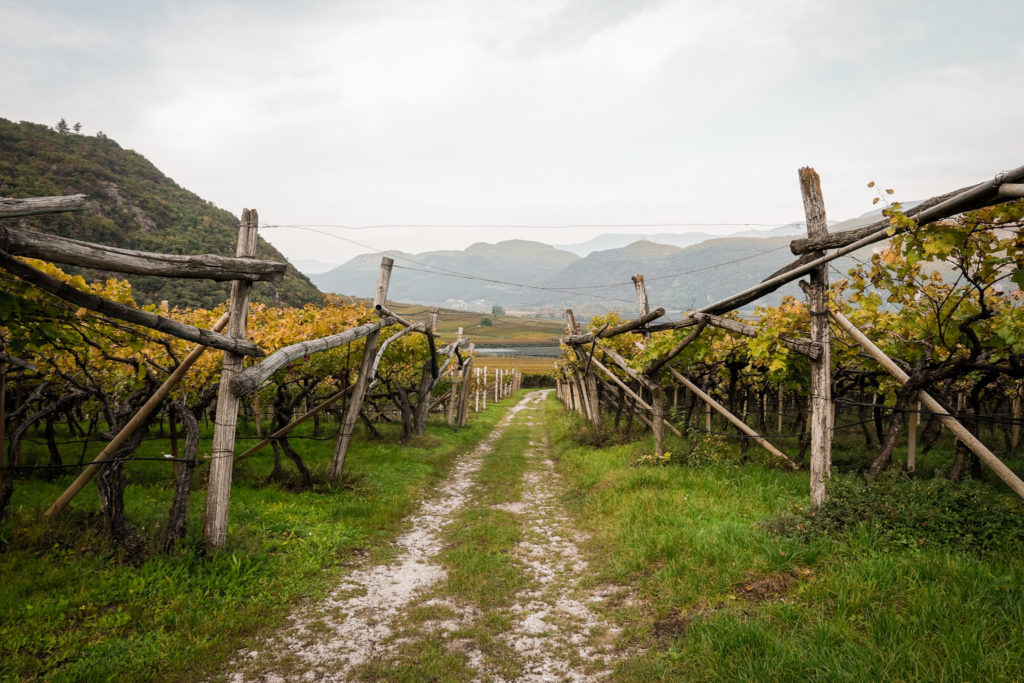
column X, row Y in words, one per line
column 132, row 205
column 531, row 276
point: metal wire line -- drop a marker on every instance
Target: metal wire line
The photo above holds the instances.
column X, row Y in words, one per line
column 439, row 270
column 522, row 226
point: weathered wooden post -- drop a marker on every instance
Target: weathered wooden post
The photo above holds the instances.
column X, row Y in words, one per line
column 821, row 368
column 912, row 437
column 218, row 490
column 1018, row 417
column 362, row 381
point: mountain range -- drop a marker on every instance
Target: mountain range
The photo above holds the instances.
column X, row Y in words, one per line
column 537, row 278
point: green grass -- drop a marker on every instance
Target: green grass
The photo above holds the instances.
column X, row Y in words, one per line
column 723, row 594
column 72, row 610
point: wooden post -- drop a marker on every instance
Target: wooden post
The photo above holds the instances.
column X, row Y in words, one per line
column 256, row 411
column 912, row 438
column 707, row 417
column 961, row 432
column 821, row 368
column 6, row 475
column 294, row 423
column 1018, row 418
column 641, row 299
column 740, row 424
column 218, row 490
column 782, row 405
column 362, row 381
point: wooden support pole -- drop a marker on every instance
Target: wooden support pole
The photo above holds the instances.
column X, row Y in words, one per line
column 804, row 347
column 218, row 490
column 912, row 438
column 37, row 206
column 253, row 377
column 137, row 421
column 32, row 244
column 1018, row 416
column 821, row 367
column 283, row 431
column 633, row 395
column 362, row 381
column 738, row 423
column 466, row 384
column 951, row 423
column 622, row 328
column 114, row 309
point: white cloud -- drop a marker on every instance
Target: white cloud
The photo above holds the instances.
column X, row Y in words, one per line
column 538, row 111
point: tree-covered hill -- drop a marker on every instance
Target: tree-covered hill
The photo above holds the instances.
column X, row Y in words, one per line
column 131, row 205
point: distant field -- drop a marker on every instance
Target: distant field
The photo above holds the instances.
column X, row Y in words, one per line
column 524, row 365
column 504, row 329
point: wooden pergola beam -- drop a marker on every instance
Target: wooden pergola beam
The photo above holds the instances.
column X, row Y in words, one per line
column 32, row 244
column 37, row 206
column 253, row 377
column 113, row 309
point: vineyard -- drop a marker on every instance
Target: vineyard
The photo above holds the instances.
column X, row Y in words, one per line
column 940, row 301
column 911, row 362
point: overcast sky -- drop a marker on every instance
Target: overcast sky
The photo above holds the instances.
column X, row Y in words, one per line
column 528, row 111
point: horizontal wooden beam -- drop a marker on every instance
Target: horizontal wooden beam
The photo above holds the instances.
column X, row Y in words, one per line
column 977, row 196
column 802, row 346
column 113, row 309
column 16, row 363
column 36, row 206
column 252, row 378
column 606, row 332
column 1011, row 190
column 18, row 242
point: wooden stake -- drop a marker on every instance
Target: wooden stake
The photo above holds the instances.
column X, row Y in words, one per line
column 137, row 421
column 961, row 432
column 821, row 367
column 912, row 438
column 740, row 424
column 362, row 381
column 218, row 490
column 337, row 396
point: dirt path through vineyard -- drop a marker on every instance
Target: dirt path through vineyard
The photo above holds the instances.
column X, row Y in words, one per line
column 409, row 620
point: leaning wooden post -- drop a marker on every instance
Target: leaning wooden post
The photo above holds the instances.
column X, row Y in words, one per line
column 218, row 490
column 821, row 368
column 951, row 423
column 740, row 424
column 137, row 421
column 362, row 381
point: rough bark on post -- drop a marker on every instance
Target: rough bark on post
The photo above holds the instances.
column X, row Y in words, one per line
column 821, row 368
column 355, row 405
column 218, row 491
column 430, row 371
column 467, row 382
column 912, row 437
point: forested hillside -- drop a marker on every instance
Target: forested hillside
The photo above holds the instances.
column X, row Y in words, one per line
column 132, row 205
